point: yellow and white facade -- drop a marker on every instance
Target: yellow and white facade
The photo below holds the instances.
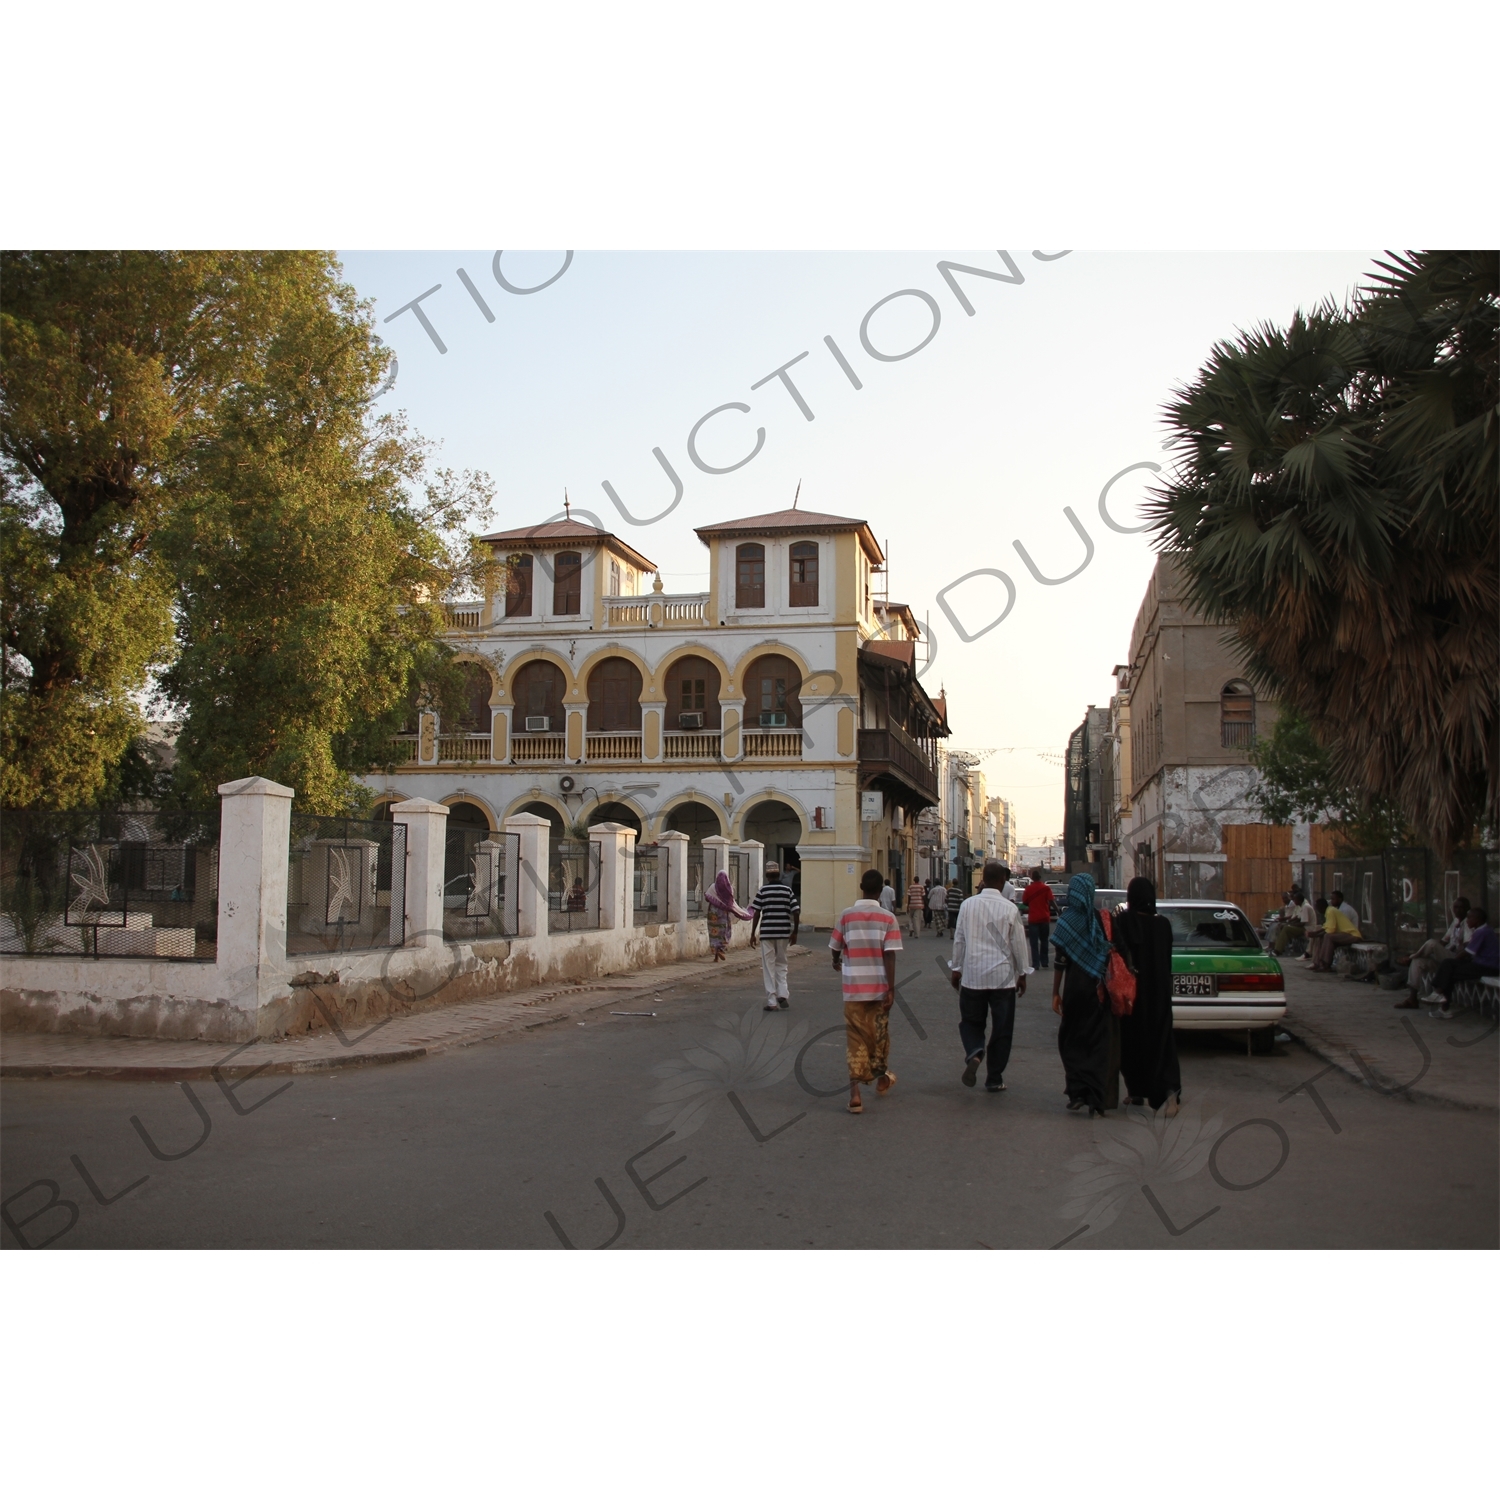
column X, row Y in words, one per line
column 760, row 709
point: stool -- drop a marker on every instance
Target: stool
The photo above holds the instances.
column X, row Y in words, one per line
column 1366, row 957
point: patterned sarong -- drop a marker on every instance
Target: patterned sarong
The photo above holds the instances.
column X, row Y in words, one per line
column 867, row 1039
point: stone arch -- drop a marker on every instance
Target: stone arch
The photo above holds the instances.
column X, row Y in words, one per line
column 480, row 694
column 558, row 816
column 745, row 813
column 656, row 680
column 469, row 800
column 539, row 688
column 615, row 810
column 525, row 659
column 783, row 696
column 614, row 685
column 685, row 670
column 696, row 826
column 602, row 653
column 734, row 683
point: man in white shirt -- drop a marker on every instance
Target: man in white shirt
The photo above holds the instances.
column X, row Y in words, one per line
column 988, row 969
column 1008, row 890
column 937, row 904
column 1425, row 961
column 888, row 896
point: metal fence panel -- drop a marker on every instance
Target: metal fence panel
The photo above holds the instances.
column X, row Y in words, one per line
column 346, row 885
column 695, row 903
column 650, row 885
column 739, row 876
column 573, row 887
column 110, row 885
column 480, row 888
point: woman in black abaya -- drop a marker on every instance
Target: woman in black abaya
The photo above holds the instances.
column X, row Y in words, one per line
column 1148, row 1050
column 1084, row 1037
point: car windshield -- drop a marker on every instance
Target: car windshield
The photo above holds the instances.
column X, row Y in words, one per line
column 1205, row 928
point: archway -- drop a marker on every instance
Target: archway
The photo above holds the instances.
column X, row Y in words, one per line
column 772, row 684
column 692, row 688
column 538, row 691
column 777, row 826
column 468, row 826
column 615, row 812
column 614, row 690
column 551, row 814
column 696, row 819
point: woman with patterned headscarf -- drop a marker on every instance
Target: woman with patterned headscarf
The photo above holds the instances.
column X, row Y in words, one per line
column 1148, row 1050
column 722, row 910
column 1084, row 1037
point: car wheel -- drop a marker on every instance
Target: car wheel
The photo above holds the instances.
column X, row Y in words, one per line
column 1263, row 1042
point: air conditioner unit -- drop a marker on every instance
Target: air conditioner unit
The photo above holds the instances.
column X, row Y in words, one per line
column 538, row 723
column 773, row 721
column 690, row 721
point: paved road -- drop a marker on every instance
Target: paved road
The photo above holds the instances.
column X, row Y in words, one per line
column 716, row 1125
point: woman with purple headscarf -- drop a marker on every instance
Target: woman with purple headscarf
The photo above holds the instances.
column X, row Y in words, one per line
column 722, row 911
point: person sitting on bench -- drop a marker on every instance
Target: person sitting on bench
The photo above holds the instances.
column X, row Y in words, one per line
column 1481, row 957
column 1425, row 961
column 1339, row 931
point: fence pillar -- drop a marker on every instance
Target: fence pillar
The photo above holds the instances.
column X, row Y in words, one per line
column 755, row 858
column 616, row 873
column 426, row 847
column 255, row 831
column 715, row 858
column 531, row 879
column 674, row 849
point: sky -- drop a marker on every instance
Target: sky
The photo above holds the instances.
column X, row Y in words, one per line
column 960, row 454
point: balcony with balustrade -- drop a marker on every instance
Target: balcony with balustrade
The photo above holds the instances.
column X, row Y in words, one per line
column 653, row 611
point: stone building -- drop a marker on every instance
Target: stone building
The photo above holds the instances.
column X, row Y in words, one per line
column 781, row 705
column 1187, row 721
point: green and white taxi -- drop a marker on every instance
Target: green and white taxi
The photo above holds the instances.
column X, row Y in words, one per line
column 1222, row 979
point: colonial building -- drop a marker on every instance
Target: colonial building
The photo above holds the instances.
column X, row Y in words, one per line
column 1183, row 811
column 781, row 705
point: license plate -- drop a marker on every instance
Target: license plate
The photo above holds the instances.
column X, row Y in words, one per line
column 1194, row 984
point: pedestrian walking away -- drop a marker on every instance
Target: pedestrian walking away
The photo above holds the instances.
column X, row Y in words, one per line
column 775, row 917
column 926, row 909
column 955, row 900
column 988, row 969
column 1083, row 1038
column 722, row 912
column 1148, row 1046
column 888, row 896
column 1040, row 909
column 865, row 941
column 916, row 908
column 937, row 906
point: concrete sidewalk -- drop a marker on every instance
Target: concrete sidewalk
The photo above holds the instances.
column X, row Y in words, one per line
column 399, row 1039
column 1355, row 1027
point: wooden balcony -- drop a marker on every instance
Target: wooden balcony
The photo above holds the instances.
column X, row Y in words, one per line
column 893, row 752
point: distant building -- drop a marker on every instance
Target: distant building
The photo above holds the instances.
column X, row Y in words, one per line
column 1086, row 774
column 1049, row 856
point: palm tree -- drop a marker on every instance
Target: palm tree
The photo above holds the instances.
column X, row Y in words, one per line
column 1334, row 501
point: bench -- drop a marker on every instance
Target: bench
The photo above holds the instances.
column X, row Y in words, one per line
column 1366, row 957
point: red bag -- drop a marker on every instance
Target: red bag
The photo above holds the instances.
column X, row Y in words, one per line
column 1119, row 978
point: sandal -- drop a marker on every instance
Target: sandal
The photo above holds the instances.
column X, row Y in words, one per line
column 885, row 1083
column 856, row 1106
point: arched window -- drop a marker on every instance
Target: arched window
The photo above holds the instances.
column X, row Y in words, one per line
column 750, row 576
column 695, row 820
column 772, row 684
column 1237, row 716
column 538, row 694
column 474, row 716
column 692, row 694
column 804, row 581
column 614, row 696
column 518, row 587
column 567, row 584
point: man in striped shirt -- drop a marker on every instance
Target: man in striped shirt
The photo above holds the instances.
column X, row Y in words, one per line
column 916, row 905
column 865, row 941
column 775, row 917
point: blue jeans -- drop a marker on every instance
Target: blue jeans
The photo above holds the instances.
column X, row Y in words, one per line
column 1037, row 934
column 975, row 1007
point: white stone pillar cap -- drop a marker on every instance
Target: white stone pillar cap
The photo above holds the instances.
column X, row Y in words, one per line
column 255, row 786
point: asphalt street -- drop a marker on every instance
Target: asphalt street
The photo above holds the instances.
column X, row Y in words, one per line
column 716, row 1125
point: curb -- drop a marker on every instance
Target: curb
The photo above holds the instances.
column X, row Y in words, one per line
column 597, row 996
column 1376, row 1081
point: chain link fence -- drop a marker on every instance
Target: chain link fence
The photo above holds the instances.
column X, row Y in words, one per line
column 110, row 884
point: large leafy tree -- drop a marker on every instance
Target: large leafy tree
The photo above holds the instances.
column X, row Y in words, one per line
column 197, row 500
column 1334, row 500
